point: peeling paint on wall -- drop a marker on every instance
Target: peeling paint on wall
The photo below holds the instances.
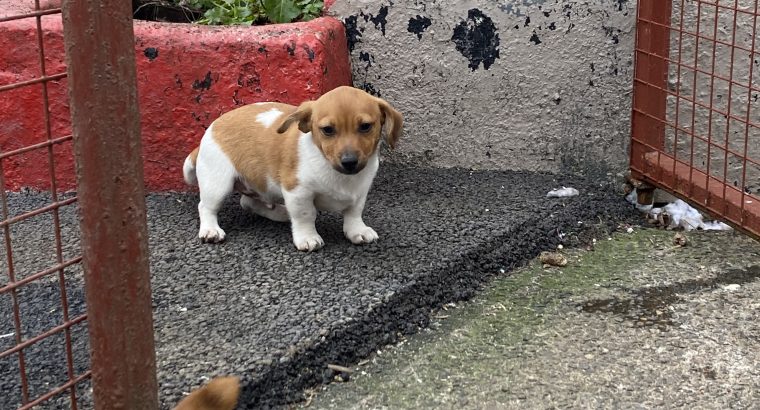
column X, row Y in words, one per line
column 477, row 39
column 418, row 25
column 514, row 84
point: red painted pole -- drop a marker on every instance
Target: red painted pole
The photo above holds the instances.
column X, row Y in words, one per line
column 106, row 126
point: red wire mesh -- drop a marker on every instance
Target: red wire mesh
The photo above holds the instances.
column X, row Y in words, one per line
column 696, row 107
column 43, row 335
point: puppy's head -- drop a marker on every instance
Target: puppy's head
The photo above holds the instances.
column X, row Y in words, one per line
column 347, row 125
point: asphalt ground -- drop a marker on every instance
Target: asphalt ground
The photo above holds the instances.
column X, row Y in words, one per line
column 255, row 307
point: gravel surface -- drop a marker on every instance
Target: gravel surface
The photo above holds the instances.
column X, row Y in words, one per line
column 256, row 307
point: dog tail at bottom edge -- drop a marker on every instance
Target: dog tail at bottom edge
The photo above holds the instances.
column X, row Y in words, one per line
column 221, row 393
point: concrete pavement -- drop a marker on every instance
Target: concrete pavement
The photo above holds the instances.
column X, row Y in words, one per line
column 637, row 323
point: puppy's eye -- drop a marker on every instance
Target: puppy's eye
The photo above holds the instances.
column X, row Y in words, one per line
column 365, row 127
column 328, row 130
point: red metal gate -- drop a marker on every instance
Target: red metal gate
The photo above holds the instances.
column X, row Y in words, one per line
column 696, row 105
column 37, row 282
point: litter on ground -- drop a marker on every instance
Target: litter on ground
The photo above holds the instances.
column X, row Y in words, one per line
column 564, row 192
column 553, row 259
column 675, row 215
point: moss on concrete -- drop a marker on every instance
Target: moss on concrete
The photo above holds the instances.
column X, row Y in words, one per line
column 469, row 356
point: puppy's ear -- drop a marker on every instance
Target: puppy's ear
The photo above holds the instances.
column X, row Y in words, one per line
column 393, row 121
column 302, row 115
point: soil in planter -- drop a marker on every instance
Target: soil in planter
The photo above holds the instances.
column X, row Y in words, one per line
column 156, row 10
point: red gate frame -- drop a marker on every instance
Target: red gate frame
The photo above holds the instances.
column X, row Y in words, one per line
column 649, row 160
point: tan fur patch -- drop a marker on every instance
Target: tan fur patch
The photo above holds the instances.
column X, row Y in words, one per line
column 194, row 155
column 258, row 152
column 219, row 394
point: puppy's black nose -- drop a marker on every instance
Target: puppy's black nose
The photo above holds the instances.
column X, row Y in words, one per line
column 349, row 161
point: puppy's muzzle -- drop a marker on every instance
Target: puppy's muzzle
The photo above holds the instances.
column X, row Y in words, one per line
column 349, row 163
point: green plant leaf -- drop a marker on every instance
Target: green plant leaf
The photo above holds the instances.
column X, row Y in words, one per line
column 214, row 16
column 281, row 11
column 248, row 12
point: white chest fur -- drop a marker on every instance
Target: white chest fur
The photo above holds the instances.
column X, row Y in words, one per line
column 332, row 190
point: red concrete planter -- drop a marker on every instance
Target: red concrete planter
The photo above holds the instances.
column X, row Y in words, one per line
column 187, row 76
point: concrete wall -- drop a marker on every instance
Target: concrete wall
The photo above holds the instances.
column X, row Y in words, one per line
column 509, row 84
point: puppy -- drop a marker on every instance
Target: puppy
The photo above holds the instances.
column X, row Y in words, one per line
column 219, row 394
column 288, row 162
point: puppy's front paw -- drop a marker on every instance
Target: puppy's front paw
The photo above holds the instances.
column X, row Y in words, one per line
column 308, row 243
column 212, row 234
column 362, row 235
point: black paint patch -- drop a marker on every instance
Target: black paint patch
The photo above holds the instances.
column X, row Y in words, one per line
column 380, row 20
column 291, row 49
column 552, row 26
column 368, row 58
column 151, row 53
column 368, row 87
column 527, row 21
column 309, row 52
column 477, row 39
column 534, row 38
column 200, row 117
column 620, row 4
column 249, row 77
column 567, row 9
column 418, row 25
column 353, row 35
column 204, row 84
column 613, row 33
column 263, row 50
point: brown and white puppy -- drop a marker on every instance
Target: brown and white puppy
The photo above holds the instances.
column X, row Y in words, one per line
column 321, row 155
column 220, row 393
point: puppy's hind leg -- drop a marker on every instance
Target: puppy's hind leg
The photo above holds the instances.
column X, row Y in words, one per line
column 216, row 179
column 275, row 212
column 212, row 198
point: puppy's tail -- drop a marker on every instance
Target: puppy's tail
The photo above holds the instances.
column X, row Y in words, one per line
column 219, row 394
column 188, row 169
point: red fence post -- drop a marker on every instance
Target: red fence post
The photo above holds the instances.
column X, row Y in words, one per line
column 650, row 85
column 99, row 41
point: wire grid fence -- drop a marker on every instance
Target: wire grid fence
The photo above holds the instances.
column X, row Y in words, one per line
column 43, row 336
column 696, row 109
